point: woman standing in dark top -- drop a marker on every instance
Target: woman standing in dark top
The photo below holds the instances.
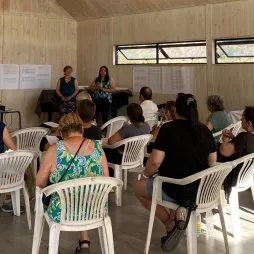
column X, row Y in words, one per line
column 103, row 86
column 67, row 89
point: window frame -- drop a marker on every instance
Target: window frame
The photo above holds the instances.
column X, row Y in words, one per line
column 231, row 41
column 159, row 49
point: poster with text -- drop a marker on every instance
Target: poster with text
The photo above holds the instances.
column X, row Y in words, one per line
column 35, row 76
column 9, row 76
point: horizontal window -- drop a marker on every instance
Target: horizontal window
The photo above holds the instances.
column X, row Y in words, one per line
column 159, row 53
column 235, row 51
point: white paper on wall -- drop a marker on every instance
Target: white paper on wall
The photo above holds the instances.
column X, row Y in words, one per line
column 140, row 78
column 147, row 76
column 177, row 79
column 154, row 79
column 9, row 76
column 35, row 76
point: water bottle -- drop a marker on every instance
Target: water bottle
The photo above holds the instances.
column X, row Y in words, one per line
column 199, row 226
column 209, row 223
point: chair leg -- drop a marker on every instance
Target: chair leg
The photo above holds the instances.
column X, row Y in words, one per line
column 150, row 226
column 38, row 231
column 224, row 230
column 14, row 204
column 35, row 166
column 125, row 181
column 103, row 239
column 109, row 235
column 223, row 203
column 54, row 234
column 234, row 209
column 27, row 204
column 191, row 234
column 118, row 193
column 15, row 196
column 252, row 190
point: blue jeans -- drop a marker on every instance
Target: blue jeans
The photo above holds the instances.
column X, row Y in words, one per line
column 149, row 189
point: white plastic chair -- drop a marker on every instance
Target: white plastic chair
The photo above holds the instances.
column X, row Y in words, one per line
column 208, row 197
column 77, row 197
column 114, row 125
column 244, row 182
column 151, row 121
column 13, row 166
column 133, row 157
column 30, row 139
column 235, row 128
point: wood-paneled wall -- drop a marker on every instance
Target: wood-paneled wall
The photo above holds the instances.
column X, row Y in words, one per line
column 35, row 32
column 234, row 83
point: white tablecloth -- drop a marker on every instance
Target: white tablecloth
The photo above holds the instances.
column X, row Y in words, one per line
column 235, row 116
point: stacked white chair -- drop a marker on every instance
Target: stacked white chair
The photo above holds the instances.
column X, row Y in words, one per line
column 208, row 197
column 84, row 204
column 244, row 181
column 114, row 125
column 133, row 156
column 13, row 166
column 30, row 139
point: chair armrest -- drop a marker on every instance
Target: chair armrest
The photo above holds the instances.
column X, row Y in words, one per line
column 104, row 125
column 191, row 178
column 117, row 144
column 183, row 181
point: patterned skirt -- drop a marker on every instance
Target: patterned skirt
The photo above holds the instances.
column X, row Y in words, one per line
column 67, row 107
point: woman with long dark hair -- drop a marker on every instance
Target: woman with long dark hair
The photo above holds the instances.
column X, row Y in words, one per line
column 103, row 86
column 182, row 148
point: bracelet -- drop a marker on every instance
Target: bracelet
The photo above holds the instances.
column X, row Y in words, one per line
column 144, row 176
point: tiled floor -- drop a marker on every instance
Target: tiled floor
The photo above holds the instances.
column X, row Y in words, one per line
column 130, row 226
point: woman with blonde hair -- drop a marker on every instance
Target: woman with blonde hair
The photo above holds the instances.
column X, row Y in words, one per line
column 60, row 163
column 67, row 89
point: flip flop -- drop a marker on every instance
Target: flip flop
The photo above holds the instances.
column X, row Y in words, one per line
column 173, row 237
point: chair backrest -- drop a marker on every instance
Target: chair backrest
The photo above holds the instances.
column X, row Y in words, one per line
column 134, row 151
column 246, row 173
column 151, row 121
column 235, row 128
column 114, row 125
column 29, row 138
column 84, row 199
column 13, row 166
column 210, row 185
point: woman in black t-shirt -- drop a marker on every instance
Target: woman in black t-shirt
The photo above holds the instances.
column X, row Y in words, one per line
column 183, row 147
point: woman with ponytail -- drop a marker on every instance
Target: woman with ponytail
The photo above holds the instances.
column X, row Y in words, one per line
column 182, row 148
column 136, row 127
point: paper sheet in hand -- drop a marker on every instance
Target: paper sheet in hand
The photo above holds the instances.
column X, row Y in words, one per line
column 52, row 124
column 52, row 139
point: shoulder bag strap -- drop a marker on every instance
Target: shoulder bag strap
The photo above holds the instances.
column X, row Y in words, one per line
column 72, row 160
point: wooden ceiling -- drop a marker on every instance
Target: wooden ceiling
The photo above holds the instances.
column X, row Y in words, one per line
column 91, row 9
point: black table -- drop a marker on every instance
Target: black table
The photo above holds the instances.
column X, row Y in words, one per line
column 48, row 101
column 11, row 111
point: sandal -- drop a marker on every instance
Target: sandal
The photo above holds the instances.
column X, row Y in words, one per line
column 173, row 237
column 80, row 250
